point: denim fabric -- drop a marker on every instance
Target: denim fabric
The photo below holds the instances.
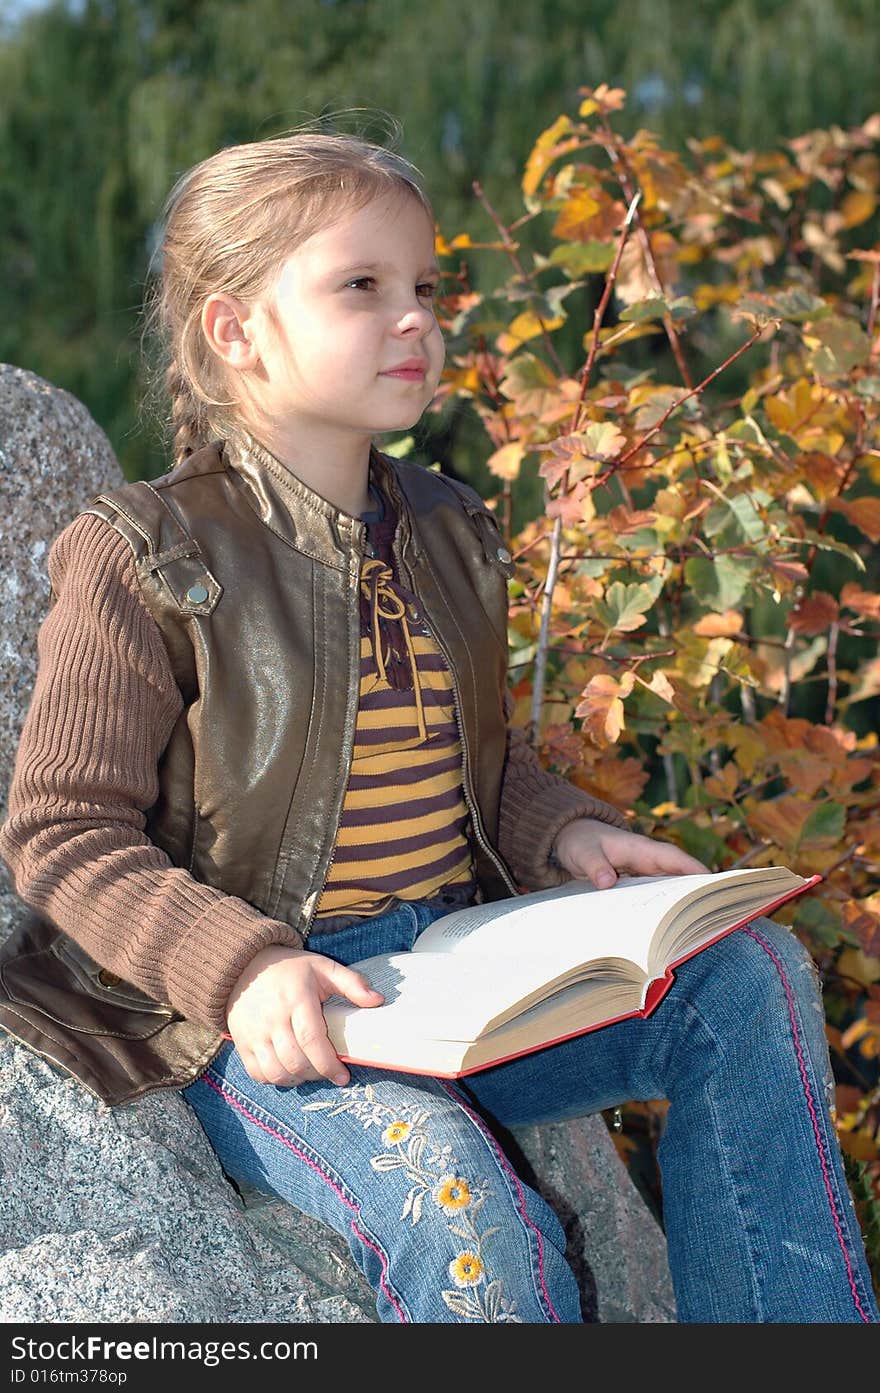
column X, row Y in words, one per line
column 760, row 1224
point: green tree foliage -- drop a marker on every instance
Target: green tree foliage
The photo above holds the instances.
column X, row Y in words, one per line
column 105, row 102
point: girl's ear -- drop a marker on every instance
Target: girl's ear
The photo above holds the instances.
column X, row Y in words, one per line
column 226, row 324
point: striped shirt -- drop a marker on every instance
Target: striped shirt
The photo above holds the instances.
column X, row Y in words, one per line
column 403, row 830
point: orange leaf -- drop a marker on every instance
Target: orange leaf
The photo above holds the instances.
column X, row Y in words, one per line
column 864, row 602
column 723, row 625
column 814, row 613
column 781, row 821
column 614, row 780
column 863, row 513
column 601, row 706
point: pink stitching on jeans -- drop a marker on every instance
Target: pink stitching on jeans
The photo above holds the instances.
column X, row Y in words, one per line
column 335, row 1188
column 816, row 1132
column 516, row 1180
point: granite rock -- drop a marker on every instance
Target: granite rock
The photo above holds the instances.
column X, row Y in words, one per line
column 124, row 1214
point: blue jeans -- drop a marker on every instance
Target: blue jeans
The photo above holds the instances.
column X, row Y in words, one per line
column 759, row 1221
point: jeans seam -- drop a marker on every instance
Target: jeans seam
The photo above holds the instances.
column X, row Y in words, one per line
column 542, row 1295
column 834, row 1201
column 748, row 1230
column 337, row 1185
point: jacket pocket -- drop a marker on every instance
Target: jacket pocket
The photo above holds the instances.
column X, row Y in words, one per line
column 65, row 985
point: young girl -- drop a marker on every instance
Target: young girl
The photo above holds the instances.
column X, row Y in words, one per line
column 269, row 738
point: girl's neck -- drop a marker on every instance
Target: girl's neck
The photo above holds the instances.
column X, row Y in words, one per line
column 338, row 470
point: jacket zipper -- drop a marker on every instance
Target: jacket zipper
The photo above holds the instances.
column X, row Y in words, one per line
column 313, row 898
column 470, row 800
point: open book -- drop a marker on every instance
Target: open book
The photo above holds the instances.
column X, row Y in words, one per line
column 496, row 980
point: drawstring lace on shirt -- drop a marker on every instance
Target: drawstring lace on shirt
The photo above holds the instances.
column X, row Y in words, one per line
column 385, row 605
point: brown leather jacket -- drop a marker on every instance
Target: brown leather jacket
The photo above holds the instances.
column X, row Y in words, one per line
column 237, row 557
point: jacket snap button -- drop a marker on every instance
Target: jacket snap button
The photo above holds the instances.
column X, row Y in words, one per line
column 197, row 594
column 108, row 979
column 503, row 554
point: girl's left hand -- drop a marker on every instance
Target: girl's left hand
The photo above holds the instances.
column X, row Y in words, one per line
column 593, row 850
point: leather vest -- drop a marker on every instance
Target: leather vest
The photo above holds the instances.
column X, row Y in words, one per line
column 253, row 580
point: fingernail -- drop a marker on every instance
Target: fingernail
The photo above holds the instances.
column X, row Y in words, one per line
column 604, row 879
column 340, row 1078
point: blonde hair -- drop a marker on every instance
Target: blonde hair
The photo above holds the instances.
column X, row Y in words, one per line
column 228, row 225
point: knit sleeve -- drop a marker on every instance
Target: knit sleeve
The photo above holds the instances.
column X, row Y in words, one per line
column 86, row 772
column 535, row 806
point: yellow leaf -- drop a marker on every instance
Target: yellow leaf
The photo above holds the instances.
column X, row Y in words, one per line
column 662, row 687
column 505, row 462
column 524, row 327
column 857, row 207
column 545, row 150
column 587, row 107
column 858, row 965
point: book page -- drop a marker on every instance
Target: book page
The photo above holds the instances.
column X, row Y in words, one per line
column 432, row 994
column 568, row 924
column 574, row 923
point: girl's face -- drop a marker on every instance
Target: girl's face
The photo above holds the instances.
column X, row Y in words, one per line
column 347, row 336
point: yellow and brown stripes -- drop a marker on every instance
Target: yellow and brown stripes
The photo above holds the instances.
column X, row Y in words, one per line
column 403, row 829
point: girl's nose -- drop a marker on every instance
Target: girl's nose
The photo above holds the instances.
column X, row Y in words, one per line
column 416, row 317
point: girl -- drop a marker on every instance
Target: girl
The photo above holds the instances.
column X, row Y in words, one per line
column 269, row 738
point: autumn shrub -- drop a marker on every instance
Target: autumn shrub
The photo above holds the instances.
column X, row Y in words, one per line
column 679, row 379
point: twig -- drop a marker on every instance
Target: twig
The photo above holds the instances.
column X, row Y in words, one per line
column 541, row 653
column 510, row 248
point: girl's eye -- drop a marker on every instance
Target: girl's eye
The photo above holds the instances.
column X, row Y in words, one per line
column 426, row 290
column 362, row 280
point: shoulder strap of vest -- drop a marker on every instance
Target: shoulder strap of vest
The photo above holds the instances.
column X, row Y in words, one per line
column 164, row 549
column 486, row 524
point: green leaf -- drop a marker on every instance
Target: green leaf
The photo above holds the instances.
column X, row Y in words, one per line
column 824, row 826
column 818, row 539
column 720, row 583
column 625, row 606
column 398, row 449
column 820, row 921
column 526, row 373
column 701, row 842
column 644, row 309
column 798, row 305
column 843, row 346
column 581, row 258
column 740, row 514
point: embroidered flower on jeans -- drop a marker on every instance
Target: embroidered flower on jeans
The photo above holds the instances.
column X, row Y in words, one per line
column 466, row 1270
column 414, row 1151
column 396, row 1132
column 452, row 1193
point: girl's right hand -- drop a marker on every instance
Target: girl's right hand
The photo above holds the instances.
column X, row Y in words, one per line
column 275, row 1018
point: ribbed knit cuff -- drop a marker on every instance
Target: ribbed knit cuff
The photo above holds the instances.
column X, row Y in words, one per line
column 215, row 953
column 532, row 819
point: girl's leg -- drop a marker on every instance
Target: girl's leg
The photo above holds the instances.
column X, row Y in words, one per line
column 759, row 1221
column 433, row 1213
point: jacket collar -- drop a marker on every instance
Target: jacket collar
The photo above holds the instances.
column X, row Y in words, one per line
column 294, row 511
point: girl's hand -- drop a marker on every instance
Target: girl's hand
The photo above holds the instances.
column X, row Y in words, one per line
column 275, row 1018
column 592, row 850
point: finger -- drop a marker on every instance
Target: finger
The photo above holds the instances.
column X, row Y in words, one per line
column 672, row 859
column 292, row 1060
column 310, row 1030
column 352, row 985
column 598, row 869
column 264, row 1065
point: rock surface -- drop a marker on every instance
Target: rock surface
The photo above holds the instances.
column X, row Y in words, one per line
column 124, row 1214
